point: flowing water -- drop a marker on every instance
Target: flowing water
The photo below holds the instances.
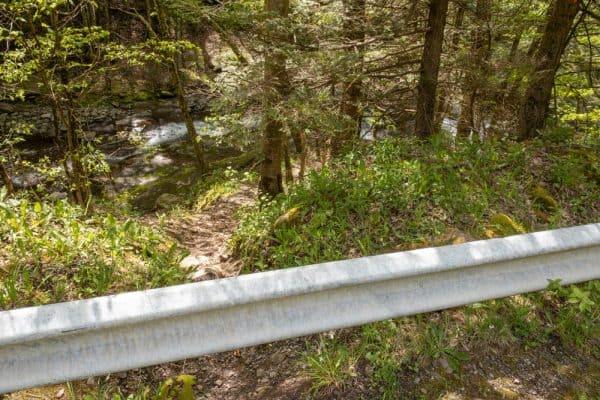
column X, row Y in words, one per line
column 142, row 148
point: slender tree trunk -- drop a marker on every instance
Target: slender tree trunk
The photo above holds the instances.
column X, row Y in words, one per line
column 538, row 94
column 276, row 86
column 63, row 111
column 209, row 66
column 430, row 65
column 187, row 117
column 229, row 41
column 354, row 33
column 478, row 71
column 301, row 148
column 175, row 68
column 514, row 48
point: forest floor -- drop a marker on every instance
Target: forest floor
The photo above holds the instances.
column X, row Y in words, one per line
column 495, row 370
column 205, row 234
column 504, row 349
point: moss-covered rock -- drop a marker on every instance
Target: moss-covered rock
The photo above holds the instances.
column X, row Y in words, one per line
column 505, row 225
column 542, row 199
column 290, row 217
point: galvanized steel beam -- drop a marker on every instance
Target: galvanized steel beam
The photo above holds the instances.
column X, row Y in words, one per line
column 68, row 341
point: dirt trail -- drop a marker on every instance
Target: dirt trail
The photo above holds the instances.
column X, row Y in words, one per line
column 206, row 235
column 261, row 372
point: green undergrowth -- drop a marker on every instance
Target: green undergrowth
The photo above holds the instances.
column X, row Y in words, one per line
column 402, row 193
column 193, row 190
column 556, row 332
column 221, row 183
column 52, row 251
column 179, row 388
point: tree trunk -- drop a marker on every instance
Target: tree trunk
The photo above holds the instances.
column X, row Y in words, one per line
column 536, row 101
column 229, row 41
column 175, row 67
column 354, row 33
column 430, row 65
column 187, row 117
column 80, row 179
column 276, row 87
column 477, row 71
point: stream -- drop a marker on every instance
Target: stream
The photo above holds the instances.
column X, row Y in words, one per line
column 148, row 146
column 149, row 149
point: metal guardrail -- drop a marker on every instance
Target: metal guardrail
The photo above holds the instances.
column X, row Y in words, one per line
column 67, row 341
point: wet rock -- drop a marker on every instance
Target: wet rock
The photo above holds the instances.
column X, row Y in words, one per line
column 27, row 180
column 123, row 122
column 103, row 127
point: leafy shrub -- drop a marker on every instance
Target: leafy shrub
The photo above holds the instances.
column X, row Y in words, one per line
column 395, row 192
column 53, row 252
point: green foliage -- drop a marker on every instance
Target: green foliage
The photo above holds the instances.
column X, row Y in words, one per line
column 398, row 192
column 543, row 199
column 220, row 184
column 53, row 252
column 180, row 388
column 567, row 172
column 575, row 315
column 505, row 225
column 330, row 365
column 435, row 344
column 390, row 194
column 378, row 345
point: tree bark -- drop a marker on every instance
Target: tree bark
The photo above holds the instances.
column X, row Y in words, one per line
column 430, row 65
column 276, row 87
column 354, row 33
column 536, row 100
column 189, row 121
